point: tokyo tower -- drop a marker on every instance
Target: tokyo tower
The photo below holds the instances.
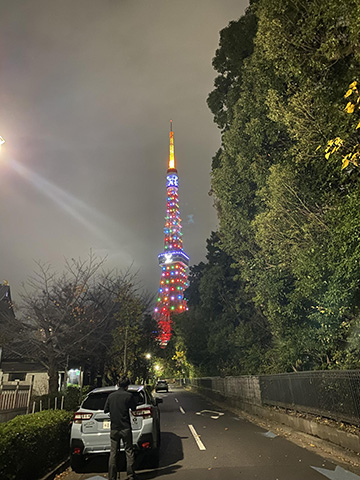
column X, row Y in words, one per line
column 173, row 260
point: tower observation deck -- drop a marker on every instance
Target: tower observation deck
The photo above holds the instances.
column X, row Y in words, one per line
column 173, row 260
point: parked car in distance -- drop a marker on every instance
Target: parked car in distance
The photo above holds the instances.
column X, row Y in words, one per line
column 90, row 430
column 161, row 385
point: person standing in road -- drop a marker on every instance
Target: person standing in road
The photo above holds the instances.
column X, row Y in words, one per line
column 118, row 404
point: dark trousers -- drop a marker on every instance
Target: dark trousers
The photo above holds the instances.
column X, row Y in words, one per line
column 115, row 437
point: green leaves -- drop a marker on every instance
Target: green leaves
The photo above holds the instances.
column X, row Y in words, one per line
column 40, row 440
column 287, row 216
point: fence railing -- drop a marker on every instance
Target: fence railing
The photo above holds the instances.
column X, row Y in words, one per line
column 332, row 394
column 16, row 399
column 14, row 396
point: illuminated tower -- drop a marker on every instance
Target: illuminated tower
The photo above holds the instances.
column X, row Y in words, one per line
column 173, row 261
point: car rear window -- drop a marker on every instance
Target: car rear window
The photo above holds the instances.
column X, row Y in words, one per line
column 96, row 401
column 139, row 397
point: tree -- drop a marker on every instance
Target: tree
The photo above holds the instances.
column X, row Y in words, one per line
column 222, row 333
column 134, row 335
column 284, row 213
column 69, row 318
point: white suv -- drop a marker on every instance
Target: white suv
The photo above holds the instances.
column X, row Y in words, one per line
column 90, row 431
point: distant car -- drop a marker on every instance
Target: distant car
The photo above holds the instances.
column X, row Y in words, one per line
column 90, row 431
column 161, row 385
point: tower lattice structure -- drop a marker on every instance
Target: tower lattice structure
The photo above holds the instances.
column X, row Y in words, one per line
column 173, row 260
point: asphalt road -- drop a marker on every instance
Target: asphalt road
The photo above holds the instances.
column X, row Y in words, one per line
column 199, row 441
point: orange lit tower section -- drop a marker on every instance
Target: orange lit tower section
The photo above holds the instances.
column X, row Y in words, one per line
column 173, row 261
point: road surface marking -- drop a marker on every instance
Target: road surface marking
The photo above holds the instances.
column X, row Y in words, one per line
column 269, row 434
column 176, row 400
column 197, row 438
column 182, row 410
column 211, row 413
column 337, row 474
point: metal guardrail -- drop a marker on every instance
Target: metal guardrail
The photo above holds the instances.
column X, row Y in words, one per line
column 329, row 393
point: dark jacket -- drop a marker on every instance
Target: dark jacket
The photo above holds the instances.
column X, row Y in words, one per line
column 118, row 404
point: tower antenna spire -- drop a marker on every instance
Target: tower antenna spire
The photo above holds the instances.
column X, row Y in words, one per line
column 171, row 165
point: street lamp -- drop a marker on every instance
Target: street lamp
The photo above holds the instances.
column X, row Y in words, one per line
column 148, row 356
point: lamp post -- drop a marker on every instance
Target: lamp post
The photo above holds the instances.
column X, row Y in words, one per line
column 148, row 364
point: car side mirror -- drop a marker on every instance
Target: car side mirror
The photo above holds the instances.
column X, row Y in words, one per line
column 159, row 400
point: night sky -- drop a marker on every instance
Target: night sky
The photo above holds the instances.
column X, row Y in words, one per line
column 87, row 91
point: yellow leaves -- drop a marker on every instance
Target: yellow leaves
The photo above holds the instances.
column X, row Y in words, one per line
column 345, row 163
column 352, row 154
column 355, row 159
column 339, row 141
column 333, row 146
column 352, row 157
column 350, row 107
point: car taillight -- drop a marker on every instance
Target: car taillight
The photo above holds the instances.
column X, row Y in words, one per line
column 79, row 417
column 143, row 412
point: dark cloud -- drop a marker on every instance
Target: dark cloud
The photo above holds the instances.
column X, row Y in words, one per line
column 87, row 89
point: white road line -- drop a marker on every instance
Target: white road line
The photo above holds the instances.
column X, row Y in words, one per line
column 197, row 438
column 182, row 410
column 176, row 400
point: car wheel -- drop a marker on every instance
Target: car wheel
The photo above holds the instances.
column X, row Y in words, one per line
column 77, row 463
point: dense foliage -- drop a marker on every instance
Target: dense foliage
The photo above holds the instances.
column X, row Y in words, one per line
column 30, row 445
column 282, row 291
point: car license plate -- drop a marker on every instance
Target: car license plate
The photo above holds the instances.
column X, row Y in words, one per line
column 106, row 424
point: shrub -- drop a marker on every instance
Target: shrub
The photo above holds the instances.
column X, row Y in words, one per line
column 73, row 396
column 30, row 445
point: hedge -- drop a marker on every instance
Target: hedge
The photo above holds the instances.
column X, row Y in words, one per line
column 31, row 445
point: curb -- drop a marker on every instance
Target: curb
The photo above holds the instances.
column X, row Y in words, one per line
column 59, row 469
